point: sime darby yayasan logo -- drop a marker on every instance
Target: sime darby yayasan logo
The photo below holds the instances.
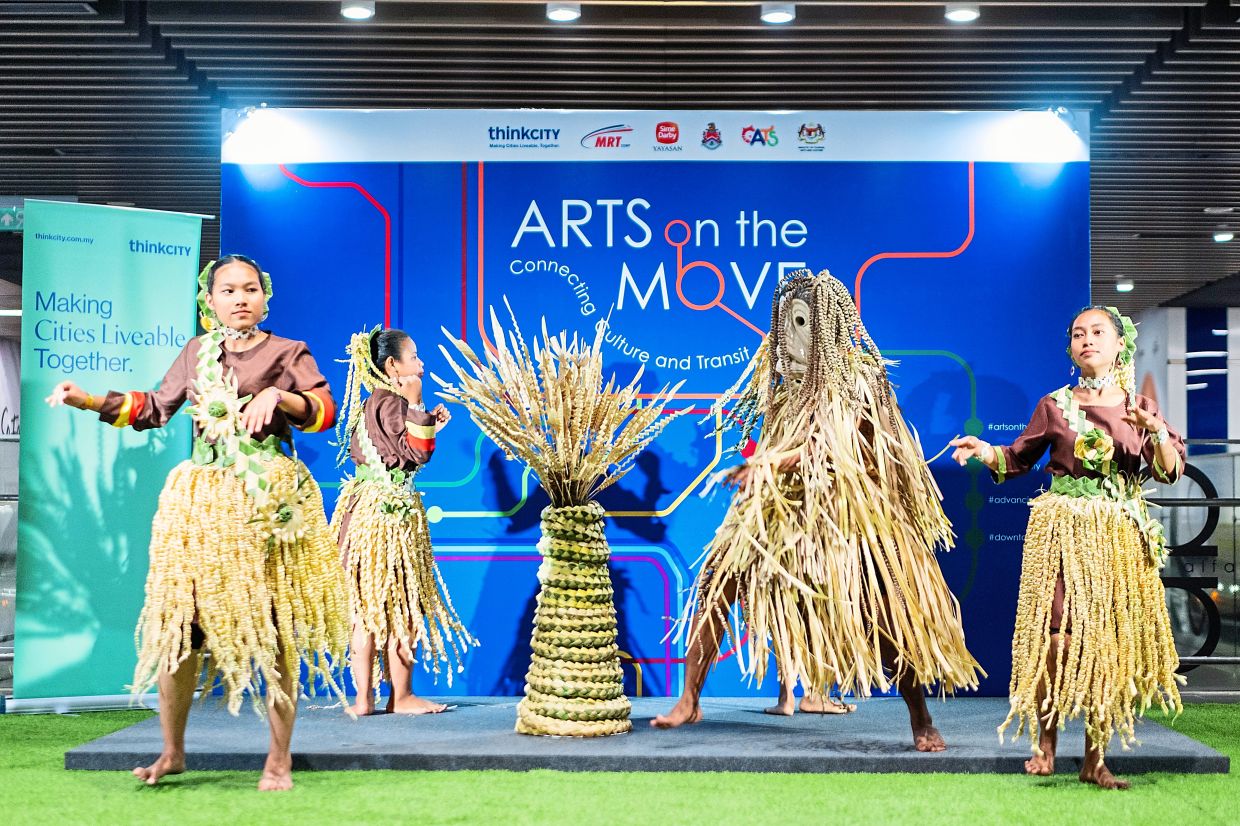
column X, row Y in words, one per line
column 615, row 136
column 667, row 133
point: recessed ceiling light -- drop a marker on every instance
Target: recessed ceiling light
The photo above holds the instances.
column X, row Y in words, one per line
column 1124, row 285
column 357, row 9
column 563, row 12
column 779, row 12
column 1222, row 236
column 1219, row 210
column 47, row 8
column 962, row 12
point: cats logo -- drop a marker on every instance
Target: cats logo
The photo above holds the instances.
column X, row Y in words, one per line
column 759, row 137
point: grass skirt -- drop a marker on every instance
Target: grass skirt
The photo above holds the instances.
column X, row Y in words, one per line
column 395, row 588
column 264, row 611
column 1121, row 657
column 835, row 560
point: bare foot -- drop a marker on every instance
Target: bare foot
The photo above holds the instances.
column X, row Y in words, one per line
column 164, row 764
column 781, row 709
column 414, row 705
column 685, row 711
column 277, row 774
column 818, row 704
column 364, row 708
column 1044, row 765
column 927, row 738
column 1098, row 774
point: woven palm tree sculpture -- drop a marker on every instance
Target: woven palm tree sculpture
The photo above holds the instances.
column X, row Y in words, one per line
column 549, row 407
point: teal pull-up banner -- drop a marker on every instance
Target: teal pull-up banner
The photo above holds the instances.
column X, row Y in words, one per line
column 107, row 302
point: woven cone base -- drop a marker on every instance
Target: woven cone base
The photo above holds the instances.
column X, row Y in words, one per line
column 574, row 686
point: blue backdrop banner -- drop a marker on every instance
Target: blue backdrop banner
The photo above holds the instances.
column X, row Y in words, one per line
column 965, row 237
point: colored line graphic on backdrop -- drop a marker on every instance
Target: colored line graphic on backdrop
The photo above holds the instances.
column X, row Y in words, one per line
column 973, row 500
column 657, row 557
column 387, row 230
column 682, row 268
column 883, row 256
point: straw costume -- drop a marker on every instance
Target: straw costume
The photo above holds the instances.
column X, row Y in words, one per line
column 395, row 588
column 241, row 555
column 1092, row 555
column 832, row 558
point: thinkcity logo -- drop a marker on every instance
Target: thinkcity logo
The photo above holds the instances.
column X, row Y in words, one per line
column 667, row 135
column 810, row 137
column 759, row 137
column 712, row 138
column 159, row 248
column 615, row 136
column 522, row 137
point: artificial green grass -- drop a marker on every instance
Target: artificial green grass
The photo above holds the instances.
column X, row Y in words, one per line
column 35, row 788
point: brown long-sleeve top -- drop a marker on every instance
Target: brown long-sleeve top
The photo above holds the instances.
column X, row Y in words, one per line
column 283, row 363
column 1047, row 428
column 403, row 435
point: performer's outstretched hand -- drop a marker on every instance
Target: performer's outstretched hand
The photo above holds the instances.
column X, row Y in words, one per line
column 67, row 393
column 969, row 446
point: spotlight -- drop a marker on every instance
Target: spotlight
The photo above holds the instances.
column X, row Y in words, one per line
column 563, row 12
column 357, row 9
column 1124, row 285
column 1222, row 236
column 779, row 12
column 962, row 12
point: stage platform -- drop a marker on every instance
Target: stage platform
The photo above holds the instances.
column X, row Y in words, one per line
column 735, row 736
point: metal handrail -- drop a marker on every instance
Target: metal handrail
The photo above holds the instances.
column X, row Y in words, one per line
column 1209, row 660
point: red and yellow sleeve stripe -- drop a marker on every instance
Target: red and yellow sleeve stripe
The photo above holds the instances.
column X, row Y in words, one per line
column 420, row 436
column 131, row 408
column 322, row 410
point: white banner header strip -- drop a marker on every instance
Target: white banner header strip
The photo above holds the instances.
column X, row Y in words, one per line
column 265, row 135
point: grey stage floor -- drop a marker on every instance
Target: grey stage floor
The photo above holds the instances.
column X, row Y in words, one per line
column 735, row 736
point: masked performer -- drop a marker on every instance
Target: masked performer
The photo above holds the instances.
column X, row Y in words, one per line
column 242, row 561
column 397, row 596
column 1093, row 637
column 829, row 543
